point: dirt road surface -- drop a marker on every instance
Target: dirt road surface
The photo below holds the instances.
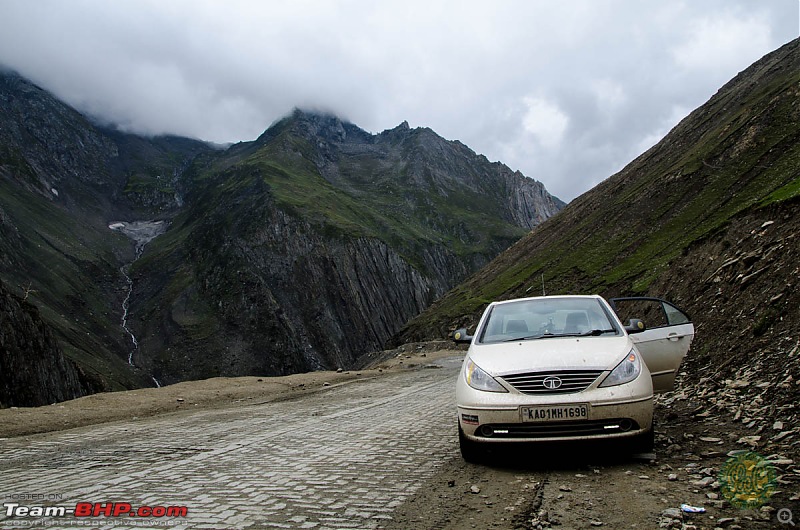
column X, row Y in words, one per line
column 375, row 449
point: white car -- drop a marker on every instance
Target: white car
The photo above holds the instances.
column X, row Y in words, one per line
column 558, row 368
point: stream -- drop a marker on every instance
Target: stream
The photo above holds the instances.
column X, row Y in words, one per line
column 142, row 232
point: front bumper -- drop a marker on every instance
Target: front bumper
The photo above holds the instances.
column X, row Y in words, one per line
column 618, row 420
column 621, row 411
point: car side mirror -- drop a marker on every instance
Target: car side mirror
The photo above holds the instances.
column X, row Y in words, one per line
column 635, row 326
column 460, row 336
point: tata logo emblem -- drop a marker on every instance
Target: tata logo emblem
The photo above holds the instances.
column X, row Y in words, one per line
column 551, row 383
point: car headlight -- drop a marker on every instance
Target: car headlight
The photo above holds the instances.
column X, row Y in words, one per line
column 480, row 380
column 626, row 371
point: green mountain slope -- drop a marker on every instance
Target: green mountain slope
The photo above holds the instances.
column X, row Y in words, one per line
column 738, row 153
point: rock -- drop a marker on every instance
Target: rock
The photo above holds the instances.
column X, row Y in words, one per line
column 672, row 477
column 777, row 461
column 672, row 513
column 749, row 440
column 735, row 452
column 596, row 523
column 739, row 383
column 474, row 489
column 564, row 488
column 704, row 483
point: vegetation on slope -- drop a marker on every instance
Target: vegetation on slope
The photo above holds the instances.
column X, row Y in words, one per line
column 738, row 152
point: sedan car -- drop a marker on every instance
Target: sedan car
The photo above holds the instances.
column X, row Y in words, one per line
column 557, row 368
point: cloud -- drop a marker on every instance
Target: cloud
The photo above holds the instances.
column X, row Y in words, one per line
column 723, row 43
column 545, row 122
column 568, row 93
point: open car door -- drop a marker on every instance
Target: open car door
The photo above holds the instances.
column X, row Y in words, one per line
column 666, row 339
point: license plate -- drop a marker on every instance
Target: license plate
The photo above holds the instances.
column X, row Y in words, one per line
column 555, row 413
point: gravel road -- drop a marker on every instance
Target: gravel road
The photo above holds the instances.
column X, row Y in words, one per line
column 341, row 458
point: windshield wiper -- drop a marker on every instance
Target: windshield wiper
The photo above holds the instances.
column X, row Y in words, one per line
column 533, row 337
column 590, row 333
column 595, row 332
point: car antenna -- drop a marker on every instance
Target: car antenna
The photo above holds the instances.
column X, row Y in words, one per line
column 543, row 293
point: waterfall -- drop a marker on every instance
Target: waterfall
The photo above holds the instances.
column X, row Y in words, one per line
column 142, row 232
column 125, row 304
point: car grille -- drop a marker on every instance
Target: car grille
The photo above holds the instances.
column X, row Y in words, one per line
column 558, row 429
column 566, row 382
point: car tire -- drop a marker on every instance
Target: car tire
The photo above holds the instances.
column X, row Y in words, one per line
column 470, row 451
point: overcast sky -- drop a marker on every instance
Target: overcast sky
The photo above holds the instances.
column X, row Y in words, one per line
column 568, row 92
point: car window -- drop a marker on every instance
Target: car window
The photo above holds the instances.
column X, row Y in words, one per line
column 648, row 311
column 655, row 313
column 546, row 317
column 674, row 315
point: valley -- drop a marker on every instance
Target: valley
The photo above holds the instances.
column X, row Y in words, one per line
column 160, row 260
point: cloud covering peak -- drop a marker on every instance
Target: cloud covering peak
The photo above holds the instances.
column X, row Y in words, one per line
column 566, row 92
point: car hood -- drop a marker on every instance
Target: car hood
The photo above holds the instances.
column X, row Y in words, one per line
column 539, row 355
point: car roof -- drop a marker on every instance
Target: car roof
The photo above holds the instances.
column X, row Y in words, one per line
column 550, row 297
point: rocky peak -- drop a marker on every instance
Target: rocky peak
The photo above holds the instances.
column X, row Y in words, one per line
column 315, row 127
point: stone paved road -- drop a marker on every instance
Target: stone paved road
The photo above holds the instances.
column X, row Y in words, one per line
column 341, row 458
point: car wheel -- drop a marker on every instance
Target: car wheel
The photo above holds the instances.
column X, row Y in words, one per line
column 470, row 451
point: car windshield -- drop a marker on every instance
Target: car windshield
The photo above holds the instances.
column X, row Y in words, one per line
column 541, row 318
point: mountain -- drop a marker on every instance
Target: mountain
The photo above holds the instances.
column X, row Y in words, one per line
column 313, row 244
column 155, row 260
column 62, row 179
column 708, row 218
column 35, row 371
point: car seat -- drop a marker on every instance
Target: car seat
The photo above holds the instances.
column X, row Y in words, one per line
column 577, row 322
column 516, row 326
